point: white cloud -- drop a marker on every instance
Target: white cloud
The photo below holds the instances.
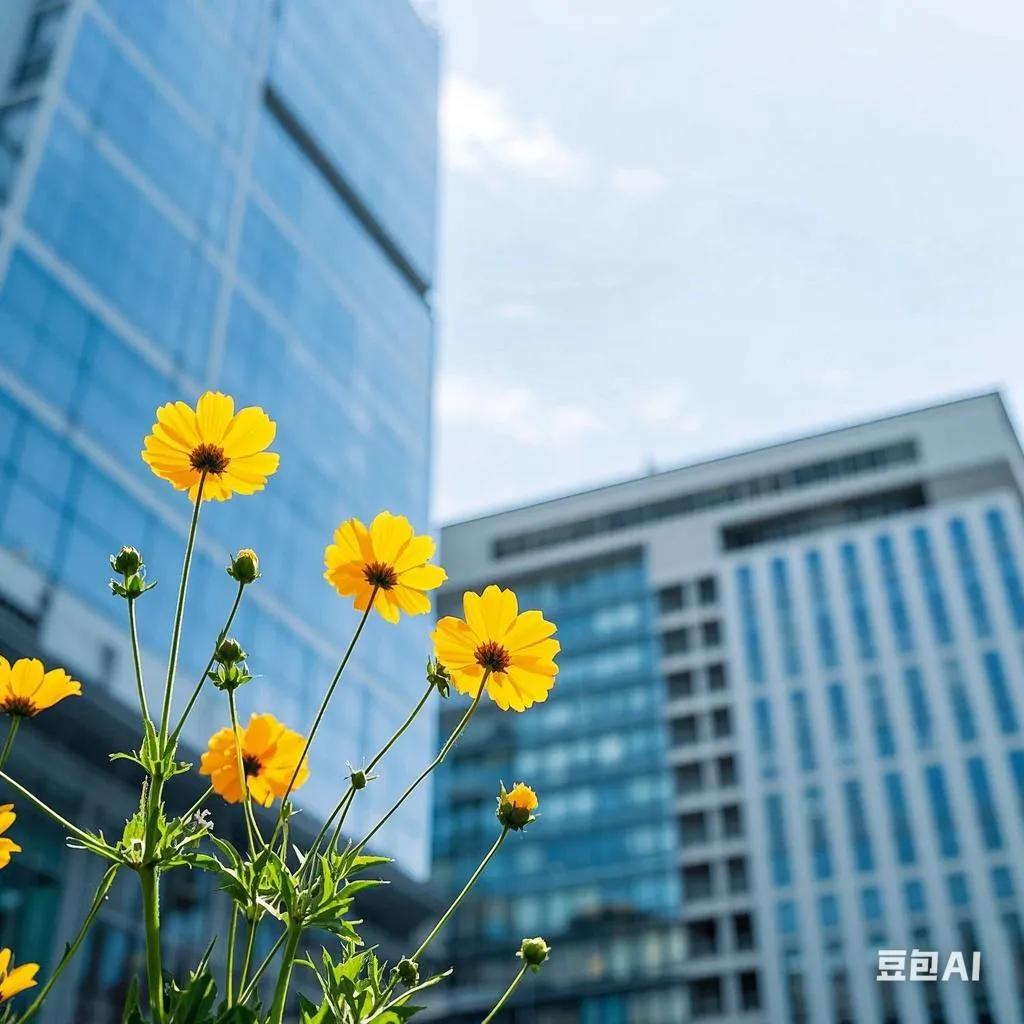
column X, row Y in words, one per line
column 481, row 134
column 638, row 182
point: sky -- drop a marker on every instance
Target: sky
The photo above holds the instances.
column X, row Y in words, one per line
column 676, row 228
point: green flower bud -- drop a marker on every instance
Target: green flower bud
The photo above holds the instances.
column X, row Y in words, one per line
column 126, row 562
column 534, row 952
column 245, row 566
column 358, row 779
column 408, row 971
column 438, row 676
column 229, row 651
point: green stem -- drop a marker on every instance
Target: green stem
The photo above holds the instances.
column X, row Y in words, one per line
column 284, row 978
column 458, row 899
column 12, row 731
column 261, row 970
column 172, row 657
column 229, row 971
column 209, row 665
column 456, row 733
column 72, row 948
column 31, row 797
column 151, row 917
column 242, row 778
column 249, row 946
column 321, row 711
column 505, row 998
column 199, row 803
column 133, row 630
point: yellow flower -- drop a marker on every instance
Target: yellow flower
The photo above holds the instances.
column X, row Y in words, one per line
column 13, row 982
column 229, row 447
column 388, row 556
column 7, row 846
column 516, row 807
column 26, row 689
column 522, row 798
column 270, row 752
column 517, row 649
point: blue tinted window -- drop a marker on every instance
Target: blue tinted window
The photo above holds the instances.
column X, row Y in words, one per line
column 1008, row 568
column 778, row 850
column 856, row 595
column 871, row 904
column 969, row 577
column 802, row 728
column 787, row 919
column 920, row 713
column 942, row 811
column 823, row 625
column 914, row 897
column 963, row 715
column 783, row 599
column 1005, row 711
column 984, row 804
column 959, row 895
column 898, row 613
column 1002, row 883
column 817, row 829
column 751, row 628
column 828, row 911
column 765, row 736
column 842, row 727
column 880, row 721
column 1017, row 770
column 899, row 819
column 929, row 575
column 863, row 853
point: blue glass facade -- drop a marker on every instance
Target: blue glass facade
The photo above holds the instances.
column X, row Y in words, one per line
column 237, row 196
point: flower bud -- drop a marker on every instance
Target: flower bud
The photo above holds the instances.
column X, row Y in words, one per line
column 245, row 566
column 516, row 807
column 229, row 651
column 533, row 952
column 126, row 562
column 408, row 971
column 358, row 779
column 438, row 676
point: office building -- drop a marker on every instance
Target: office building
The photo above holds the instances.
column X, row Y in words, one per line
column 786, row 735
column 210, row 194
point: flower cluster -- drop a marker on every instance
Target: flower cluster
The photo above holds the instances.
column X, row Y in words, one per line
column 213, row 452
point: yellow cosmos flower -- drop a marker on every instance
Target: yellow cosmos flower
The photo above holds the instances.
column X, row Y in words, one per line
column 229, row 447
column 13, row 982
column 270, row 752
column 26, row 688
column 516, row 807
column 389, row 556
column 517, row 649
column 7, row 846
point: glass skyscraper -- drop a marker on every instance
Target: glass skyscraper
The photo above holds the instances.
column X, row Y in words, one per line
column 788, row 734
column 235, row 195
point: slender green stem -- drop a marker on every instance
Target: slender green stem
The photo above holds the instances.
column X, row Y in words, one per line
column 199, row 803
column 379, row 756
column 72, row 948
column 458, row 899
column 243, row 779
column 250, row 985
column 32, row 798
column 229, row 971
column 133, row 629
column 321, row 711
column 250, row 944
column 284, row 978
column 197, row 689
column 12, row 731
column 456, row 733
column 151, row 918
column 172, row 657
column 507, row 995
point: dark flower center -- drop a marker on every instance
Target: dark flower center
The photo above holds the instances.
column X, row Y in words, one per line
column 493, row 656
column 19, row 706
column 251, row 765
column 380, row 574
column 209, row 458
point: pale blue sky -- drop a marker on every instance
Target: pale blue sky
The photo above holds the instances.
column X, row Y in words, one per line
column 673, row 228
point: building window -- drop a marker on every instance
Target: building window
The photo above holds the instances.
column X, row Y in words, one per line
column 1002, row 883
column 672, row 599
column 920, row 713
column 786, row 918
column 736, row 872
column 693, row 828
column 855, row 592
column 942, row 811
column 676, row 641
column 751, row 628
column 1017, row 771
column 743, row 932
column 871, row 903
column 929, row 576
column 969, row 577
column 732, row 821
column 706, row 997
column 707, row 590
column 842, row 727
column 1008, row 569
column 899, row 819
column 721, row 723
column 750, row 993
column 828, row 650
column 817, row 830
column 828, row 911
column 863, row 853
column 913, row 897
column 697, row 884
column 680, row 684
column 727, row 771
column 715, row 675
column 963, row 716
column 894, row 598
column 685, row 731
column 702, row 937
column 984, row 804
column 882, row 725
column 959, row 895
column 711, row 633
column 1000, row 690
column 778, row 850
column 802, row 728
column 783, row 600
column 765, row 736
column 690, row 778
column 40, row 42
